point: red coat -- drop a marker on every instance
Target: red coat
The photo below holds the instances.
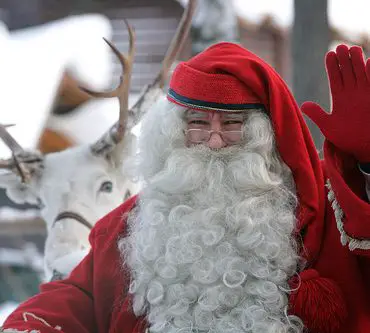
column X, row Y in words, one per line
column 93, row 298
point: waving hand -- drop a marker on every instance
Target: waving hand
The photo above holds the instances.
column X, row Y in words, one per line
column 348, row 125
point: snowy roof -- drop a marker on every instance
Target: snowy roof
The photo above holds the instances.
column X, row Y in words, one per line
column 89, row 121
column 33, row 61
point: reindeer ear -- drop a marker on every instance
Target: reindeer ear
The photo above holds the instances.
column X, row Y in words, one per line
column 17, row 191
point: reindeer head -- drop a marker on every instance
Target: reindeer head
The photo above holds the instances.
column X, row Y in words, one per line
column 78, row 186
column 74, row 188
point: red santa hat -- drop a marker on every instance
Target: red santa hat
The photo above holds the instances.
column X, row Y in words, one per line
column 226, row 77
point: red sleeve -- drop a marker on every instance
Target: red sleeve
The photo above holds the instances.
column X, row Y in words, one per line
column 67, row 306
column 347, row 195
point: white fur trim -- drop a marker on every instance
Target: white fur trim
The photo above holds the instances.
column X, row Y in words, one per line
column 345, row 239
column 25, row 316
column 13, row 330
column 30, row 314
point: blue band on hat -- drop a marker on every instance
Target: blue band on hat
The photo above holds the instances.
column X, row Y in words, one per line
column 188, row 102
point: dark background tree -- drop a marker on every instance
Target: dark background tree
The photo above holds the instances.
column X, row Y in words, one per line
column 310, row 42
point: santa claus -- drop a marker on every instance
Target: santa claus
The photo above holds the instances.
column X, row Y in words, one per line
column 235, row 230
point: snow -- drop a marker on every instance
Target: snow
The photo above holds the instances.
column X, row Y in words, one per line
column 10, row 214
column 6, row 309
column 100, row 113
column 32, row 62
column 28, row 256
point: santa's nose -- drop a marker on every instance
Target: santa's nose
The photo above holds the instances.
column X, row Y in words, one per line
column 216, row 141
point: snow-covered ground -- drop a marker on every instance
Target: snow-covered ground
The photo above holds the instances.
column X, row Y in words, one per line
column 6, row 309
column 28, row 256
column 12, row 214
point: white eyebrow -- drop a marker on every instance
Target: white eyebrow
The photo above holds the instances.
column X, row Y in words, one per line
column 206, row 115
column 236, row 116
column 196, row 114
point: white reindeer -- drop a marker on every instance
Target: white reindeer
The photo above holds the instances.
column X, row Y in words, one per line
column 78, row 186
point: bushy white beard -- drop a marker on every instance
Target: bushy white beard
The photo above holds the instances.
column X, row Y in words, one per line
column 209, row 246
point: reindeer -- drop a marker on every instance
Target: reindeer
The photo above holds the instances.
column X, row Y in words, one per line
column 76, row 187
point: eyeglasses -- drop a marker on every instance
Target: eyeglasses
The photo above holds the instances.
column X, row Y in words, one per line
column 198, row 135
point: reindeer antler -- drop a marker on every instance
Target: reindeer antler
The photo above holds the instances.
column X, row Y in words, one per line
column 21, row 159
column 152, row 91
column 117, row 132
column 12, row 144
